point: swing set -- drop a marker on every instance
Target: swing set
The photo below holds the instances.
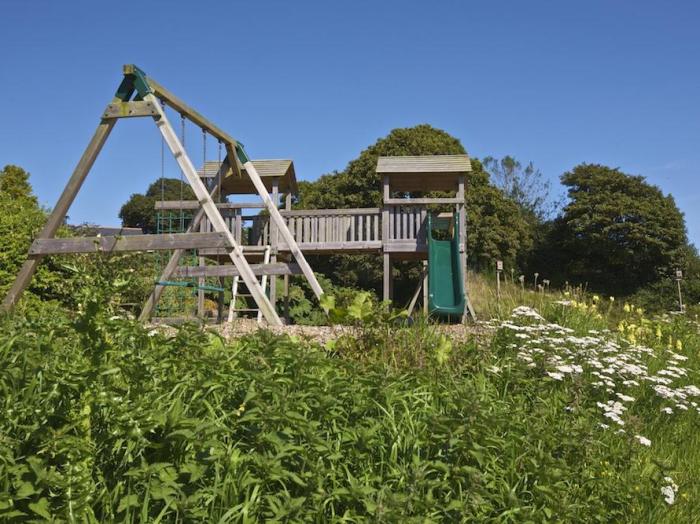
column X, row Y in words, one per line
column 141, row 96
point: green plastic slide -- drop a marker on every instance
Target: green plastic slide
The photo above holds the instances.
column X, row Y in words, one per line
column 445, row 279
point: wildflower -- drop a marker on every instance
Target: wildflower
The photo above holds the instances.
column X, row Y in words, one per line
column 612, row 299
column 679, row 345
column 626, row 308
column 667, row 410
column 596, row 299
column 625, row 398
column 643, row 440
column 567, row 294
column 658, row 332
column 555, row 375
column 621, row 327
column 669, row 490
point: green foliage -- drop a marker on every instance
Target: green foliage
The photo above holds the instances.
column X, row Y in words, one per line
column 496, row 228
column 103, row 420
column 139, row 210
column 617, row 233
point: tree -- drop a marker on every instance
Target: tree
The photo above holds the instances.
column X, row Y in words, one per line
column 617, row 233
column 139, row 210
column 14, row 184
column 495, row 228
column 526, row 185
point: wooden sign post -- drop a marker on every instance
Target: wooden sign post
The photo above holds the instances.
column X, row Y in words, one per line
column 679, row 277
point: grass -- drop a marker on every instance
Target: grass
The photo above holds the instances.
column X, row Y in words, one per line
column 102, row 420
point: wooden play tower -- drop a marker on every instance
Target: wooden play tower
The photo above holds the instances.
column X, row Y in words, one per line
column 236, row 239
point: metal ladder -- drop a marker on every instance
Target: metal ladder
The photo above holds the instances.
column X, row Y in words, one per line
column 236, row 292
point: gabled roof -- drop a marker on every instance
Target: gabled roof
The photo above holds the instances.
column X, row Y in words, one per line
column 267, row 169
column 423, row 173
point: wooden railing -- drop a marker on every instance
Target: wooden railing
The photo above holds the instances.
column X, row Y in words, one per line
column 331, row 229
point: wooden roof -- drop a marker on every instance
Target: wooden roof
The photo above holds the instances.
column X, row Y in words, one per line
column 423, row 173
column 267, row 169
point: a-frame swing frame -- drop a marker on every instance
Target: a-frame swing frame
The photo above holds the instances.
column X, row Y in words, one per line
column 141, row 96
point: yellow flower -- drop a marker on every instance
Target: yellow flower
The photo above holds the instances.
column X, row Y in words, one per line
column 621, row 327
column 670, row 342
column 626, row 308
column 567, row 294
column 679, row 345
column 658, row 332
column 632, row 339
column 640, row 311
column 596, row 299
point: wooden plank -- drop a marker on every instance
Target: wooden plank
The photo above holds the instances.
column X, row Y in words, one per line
column 129, row 110
column 181, row 107
column 422, row 201
column 235, row 252
column 193, row 204
column 278, row 268
column 405, row 246
column 338, row 245
column 331, row 212
column 58, row 214
column 118, row 244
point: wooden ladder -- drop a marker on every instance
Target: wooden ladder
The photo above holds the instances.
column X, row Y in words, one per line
column 236, row 293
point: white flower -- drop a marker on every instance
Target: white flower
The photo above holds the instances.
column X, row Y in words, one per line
column 555, row 375
column 667, row 410
column 643, row 440
column 625, row 398
column 669, row 490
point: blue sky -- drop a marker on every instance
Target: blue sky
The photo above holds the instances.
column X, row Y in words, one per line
column 557, row 83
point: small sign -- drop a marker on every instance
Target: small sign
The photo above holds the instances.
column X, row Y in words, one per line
column 499, row 265
column 679, row 274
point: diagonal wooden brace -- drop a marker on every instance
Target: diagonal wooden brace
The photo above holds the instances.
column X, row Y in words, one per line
column 212, row 213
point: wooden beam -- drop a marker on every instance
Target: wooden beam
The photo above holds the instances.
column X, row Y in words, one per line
column 422, row 201
column 193, row 204
column 331, row 212
column 58, row 215
column 215, row 218
column 129, row 110
column 278, row 268
column 188, row 112
column 117, row 244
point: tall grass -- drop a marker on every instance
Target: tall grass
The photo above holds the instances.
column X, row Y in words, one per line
column 103, row 420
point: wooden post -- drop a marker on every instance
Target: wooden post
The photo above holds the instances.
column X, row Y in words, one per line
column 212, row 212
column 274, row 242
column 387, row 291
column 388, row 280
column 60, row 210
column 288, row 207
column 425, row 288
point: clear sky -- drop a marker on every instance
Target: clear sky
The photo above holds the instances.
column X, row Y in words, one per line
column 557, row 83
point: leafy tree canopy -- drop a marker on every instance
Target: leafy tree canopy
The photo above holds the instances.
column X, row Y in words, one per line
column 617, row 233
column 139, row 210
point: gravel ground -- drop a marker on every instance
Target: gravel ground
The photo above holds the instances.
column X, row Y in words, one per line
column 322, row 334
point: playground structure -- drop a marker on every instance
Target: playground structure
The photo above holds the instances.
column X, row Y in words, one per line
column 257, row 249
